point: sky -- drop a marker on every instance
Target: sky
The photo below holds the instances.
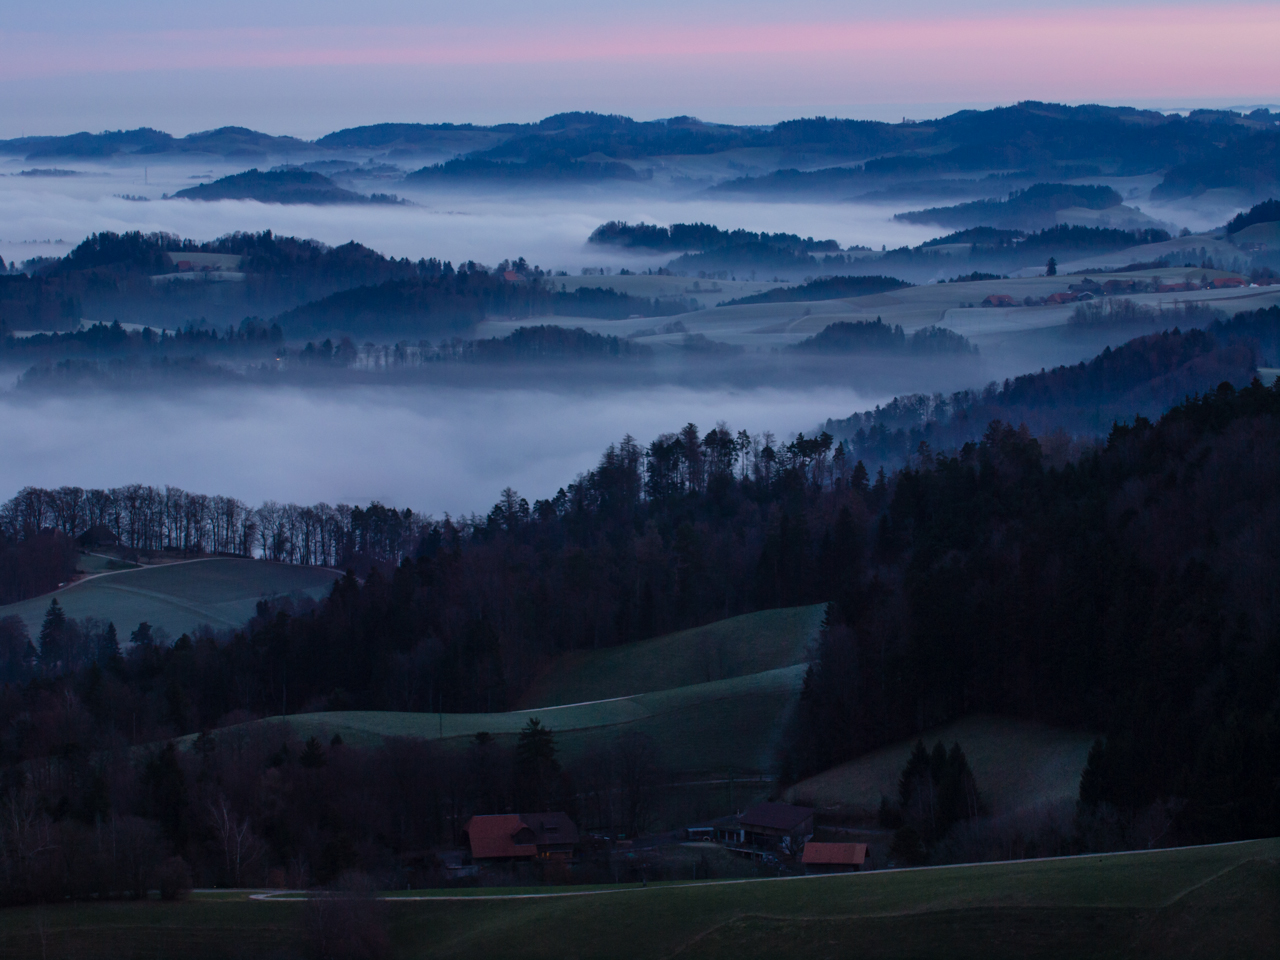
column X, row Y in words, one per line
column 305, row 67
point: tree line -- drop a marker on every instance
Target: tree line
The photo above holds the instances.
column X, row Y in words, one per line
column 145, row 519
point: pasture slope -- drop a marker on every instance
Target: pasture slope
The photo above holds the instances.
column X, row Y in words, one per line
column 729, row 727
column 713, row 698
column 726, row 726
column 1015, row 763
column 1194, row 902
column 736, row 647
column 220, row 591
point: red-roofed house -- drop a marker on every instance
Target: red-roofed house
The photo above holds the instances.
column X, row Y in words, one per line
column 1228, row 282
column 1062, row 298
column 999, row 300
column 829, row 857
column 520, row 836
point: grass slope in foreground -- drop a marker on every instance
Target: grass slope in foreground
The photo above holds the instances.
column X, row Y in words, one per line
column 220, row 591
column 1219, row 901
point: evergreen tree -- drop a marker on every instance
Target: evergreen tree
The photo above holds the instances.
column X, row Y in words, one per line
column 860, row 481
column 109, row 646
column 52, row 634
column 537, row 770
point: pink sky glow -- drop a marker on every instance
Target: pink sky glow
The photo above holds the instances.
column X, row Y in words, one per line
column 1214, row 50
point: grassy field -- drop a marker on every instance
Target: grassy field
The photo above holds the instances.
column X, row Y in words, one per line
column 751, row 643
column 1220, row 901
column 1016, row 764
column 222, row 592
column 713, row 699
column 725, row 726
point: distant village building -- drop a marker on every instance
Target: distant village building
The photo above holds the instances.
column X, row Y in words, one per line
column 522, row 836
column 833, row 857
column 767, row 827
column 999, row 300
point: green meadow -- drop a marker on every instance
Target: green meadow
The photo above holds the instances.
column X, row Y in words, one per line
column 220, row 591
column 1216, row 901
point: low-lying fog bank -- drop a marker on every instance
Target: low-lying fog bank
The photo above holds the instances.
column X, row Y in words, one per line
column 546, row 226
column 437, row 449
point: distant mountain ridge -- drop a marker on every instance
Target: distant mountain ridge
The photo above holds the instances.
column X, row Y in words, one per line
column 1205, row 149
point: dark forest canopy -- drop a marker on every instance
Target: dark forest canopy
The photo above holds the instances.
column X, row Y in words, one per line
column 876, row 336
column 285, row 185
column 1251, row 165
column 824, row 288
column 1131, row 591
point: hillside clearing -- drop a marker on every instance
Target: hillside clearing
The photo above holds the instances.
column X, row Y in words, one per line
column 1016, row 764
column 178, row 597
column 738, row 646
column 728, row 726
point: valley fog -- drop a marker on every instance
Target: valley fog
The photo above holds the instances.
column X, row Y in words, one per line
column 435, row 449
column 544, row 226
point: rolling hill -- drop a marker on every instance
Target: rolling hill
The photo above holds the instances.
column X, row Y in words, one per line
column 713, row 699
column 221, row 591
column 726, row 727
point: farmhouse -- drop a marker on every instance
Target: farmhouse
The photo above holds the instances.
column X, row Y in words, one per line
column 833, row 857
column 522, row 836
column 1062, row 298
column 999, row 300
column 767, row 827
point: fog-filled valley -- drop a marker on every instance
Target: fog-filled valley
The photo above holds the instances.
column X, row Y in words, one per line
column 604, row 484
column 435, row 328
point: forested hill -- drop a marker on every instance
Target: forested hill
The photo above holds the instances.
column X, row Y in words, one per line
column 1145, row 375
column 288, row 185
column 1131, row 590
column 698, row 238
column 1033, row 208
column 306, row 285
column 109, row 276
column 447, row 302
